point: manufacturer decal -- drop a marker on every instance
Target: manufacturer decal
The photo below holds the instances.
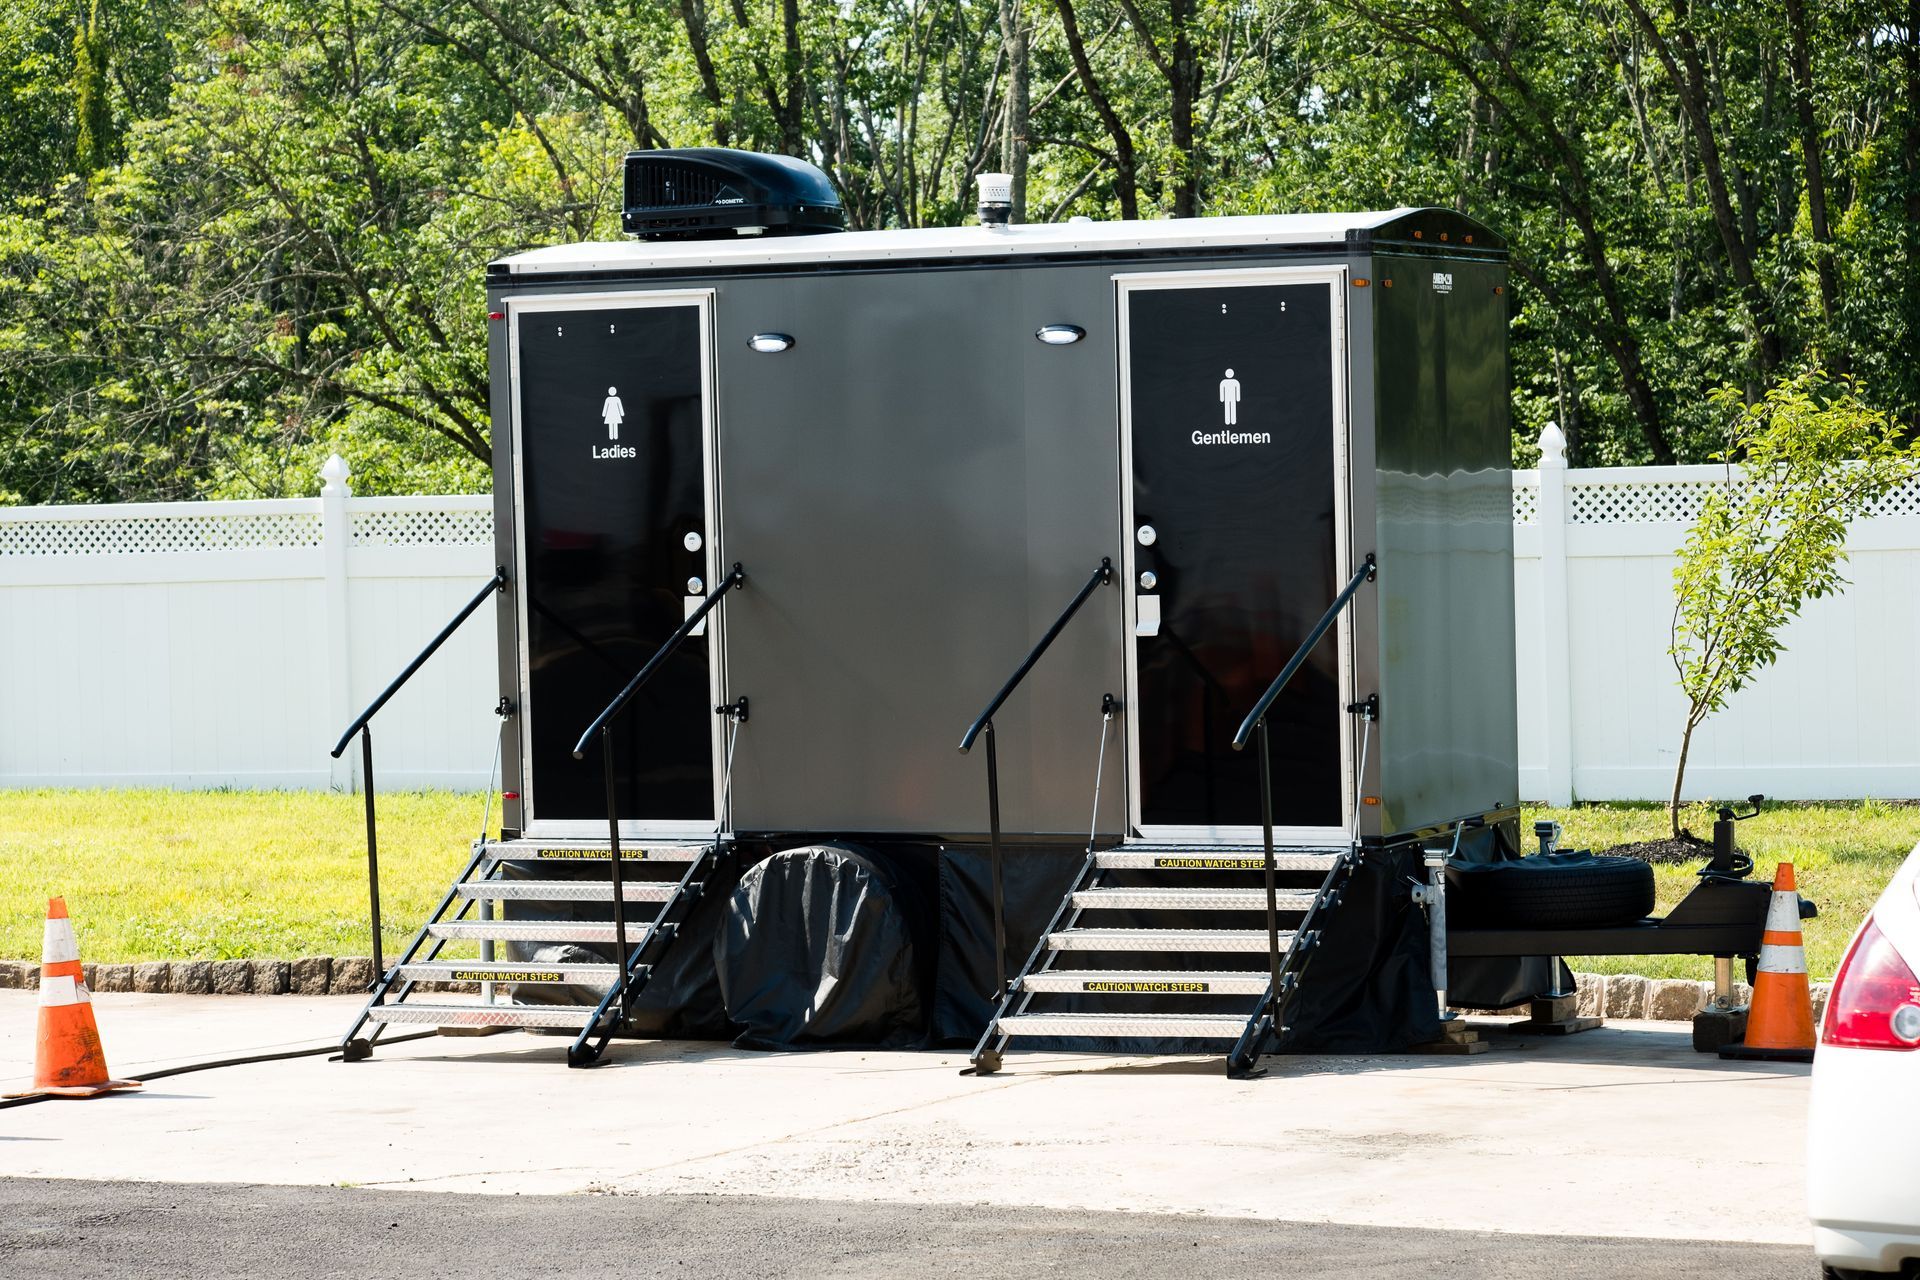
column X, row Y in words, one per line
column 1443, row 282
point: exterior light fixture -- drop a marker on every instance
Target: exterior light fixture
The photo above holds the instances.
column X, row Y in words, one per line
column 770, row 342
column 1059, row 335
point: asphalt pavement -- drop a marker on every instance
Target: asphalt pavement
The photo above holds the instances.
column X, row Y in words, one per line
column 137, row 1231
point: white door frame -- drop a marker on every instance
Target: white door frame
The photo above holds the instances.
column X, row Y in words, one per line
column 1126, row 284
column 639, row 828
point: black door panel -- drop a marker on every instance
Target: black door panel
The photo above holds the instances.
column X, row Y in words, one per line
column 1232, row 421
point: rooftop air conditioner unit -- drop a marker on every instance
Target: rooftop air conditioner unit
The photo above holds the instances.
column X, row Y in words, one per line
column 711, row 193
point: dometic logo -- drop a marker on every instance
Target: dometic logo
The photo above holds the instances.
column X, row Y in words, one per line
column 1443, row 282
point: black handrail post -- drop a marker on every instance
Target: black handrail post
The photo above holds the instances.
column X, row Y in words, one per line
column 373, row 850
column 984, row 724
column 613, row 858
column 1273, row 899
column 999, row 894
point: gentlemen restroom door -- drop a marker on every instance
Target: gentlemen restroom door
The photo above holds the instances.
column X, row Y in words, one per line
column 615, row 501
column 1233, row 448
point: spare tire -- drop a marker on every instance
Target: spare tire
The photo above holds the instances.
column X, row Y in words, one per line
column 818, row 949
column 1572, row 890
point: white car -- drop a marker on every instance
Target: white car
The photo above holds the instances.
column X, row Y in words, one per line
column 1863, row 1131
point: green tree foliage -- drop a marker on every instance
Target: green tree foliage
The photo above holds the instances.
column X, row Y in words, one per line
column 238, row 234
column 1812, row 456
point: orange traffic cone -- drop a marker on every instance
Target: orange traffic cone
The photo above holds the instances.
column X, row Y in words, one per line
column 1780, row 1026
column 68, row 1062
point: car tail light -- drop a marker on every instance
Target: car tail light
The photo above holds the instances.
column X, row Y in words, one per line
column 1875, row 1003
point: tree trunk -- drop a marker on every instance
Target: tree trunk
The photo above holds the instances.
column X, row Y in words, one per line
column 1814, row 163
column 1679, row 774
column 793, row 138
column 1184, row 87
column 1013, row 150
column 1125, row 183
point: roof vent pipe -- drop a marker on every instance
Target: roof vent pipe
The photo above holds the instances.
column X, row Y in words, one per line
column 996, row 200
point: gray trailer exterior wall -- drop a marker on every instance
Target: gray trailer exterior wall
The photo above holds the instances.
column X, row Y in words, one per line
column 971, row 487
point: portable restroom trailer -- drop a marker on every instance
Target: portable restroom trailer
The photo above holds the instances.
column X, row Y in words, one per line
column 906, row 452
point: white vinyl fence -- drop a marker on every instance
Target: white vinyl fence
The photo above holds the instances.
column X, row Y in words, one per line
column 1838, row 717
column 205, row 644
column 228, row 643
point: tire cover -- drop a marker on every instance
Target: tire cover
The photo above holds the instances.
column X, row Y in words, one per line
column 817, row 949
column 1564, row 890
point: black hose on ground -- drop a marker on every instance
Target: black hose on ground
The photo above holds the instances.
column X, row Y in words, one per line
column 219, row 1062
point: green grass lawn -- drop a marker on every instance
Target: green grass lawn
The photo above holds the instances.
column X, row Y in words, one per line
column 169, row 875
column 213, row 875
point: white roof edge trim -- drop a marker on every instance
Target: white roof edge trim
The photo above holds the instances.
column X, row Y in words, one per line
column 1254, row 231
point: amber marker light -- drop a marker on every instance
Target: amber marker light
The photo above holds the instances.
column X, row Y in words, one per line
column 1360, row 282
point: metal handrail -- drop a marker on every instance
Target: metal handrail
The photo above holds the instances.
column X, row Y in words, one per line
column 360, row 725
column 603, row 725
column 1365, row 573
column 1257, row 719
column 984, row 724
column 497, row 583
column 1101, row 576
column 735, row 577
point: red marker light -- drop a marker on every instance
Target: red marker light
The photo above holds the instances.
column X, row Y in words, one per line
column 496, row 315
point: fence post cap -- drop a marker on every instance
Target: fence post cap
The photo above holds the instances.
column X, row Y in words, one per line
column 335, row 472
column 1553, row 446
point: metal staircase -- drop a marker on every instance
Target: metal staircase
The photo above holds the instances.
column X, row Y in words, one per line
column 1219, row 979
column 1131, row 955
column 684, row 869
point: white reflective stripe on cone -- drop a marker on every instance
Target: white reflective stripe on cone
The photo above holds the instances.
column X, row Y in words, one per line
column 1778, row 959
column 1783, row 913
column 57, row 943
column 63, row 990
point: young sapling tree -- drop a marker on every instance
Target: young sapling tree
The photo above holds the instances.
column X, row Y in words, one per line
column 1801, row 464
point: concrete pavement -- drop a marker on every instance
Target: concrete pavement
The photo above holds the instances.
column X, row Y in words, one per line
column 1622, row 1132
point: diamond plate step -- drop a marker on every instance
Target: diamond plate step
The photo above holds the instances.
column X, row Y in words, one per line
column 1188, row 900
column 1133, row 858
column 565, row 890
column 540, row 930
column 1163, row 939
column 1164, row 1025
column 485, row 1015
column 508, row 971
column 593, row 850
column 1145, row 982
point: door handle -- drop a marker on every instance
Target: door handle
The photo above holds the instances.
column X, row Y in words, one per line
column 1146, row 615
